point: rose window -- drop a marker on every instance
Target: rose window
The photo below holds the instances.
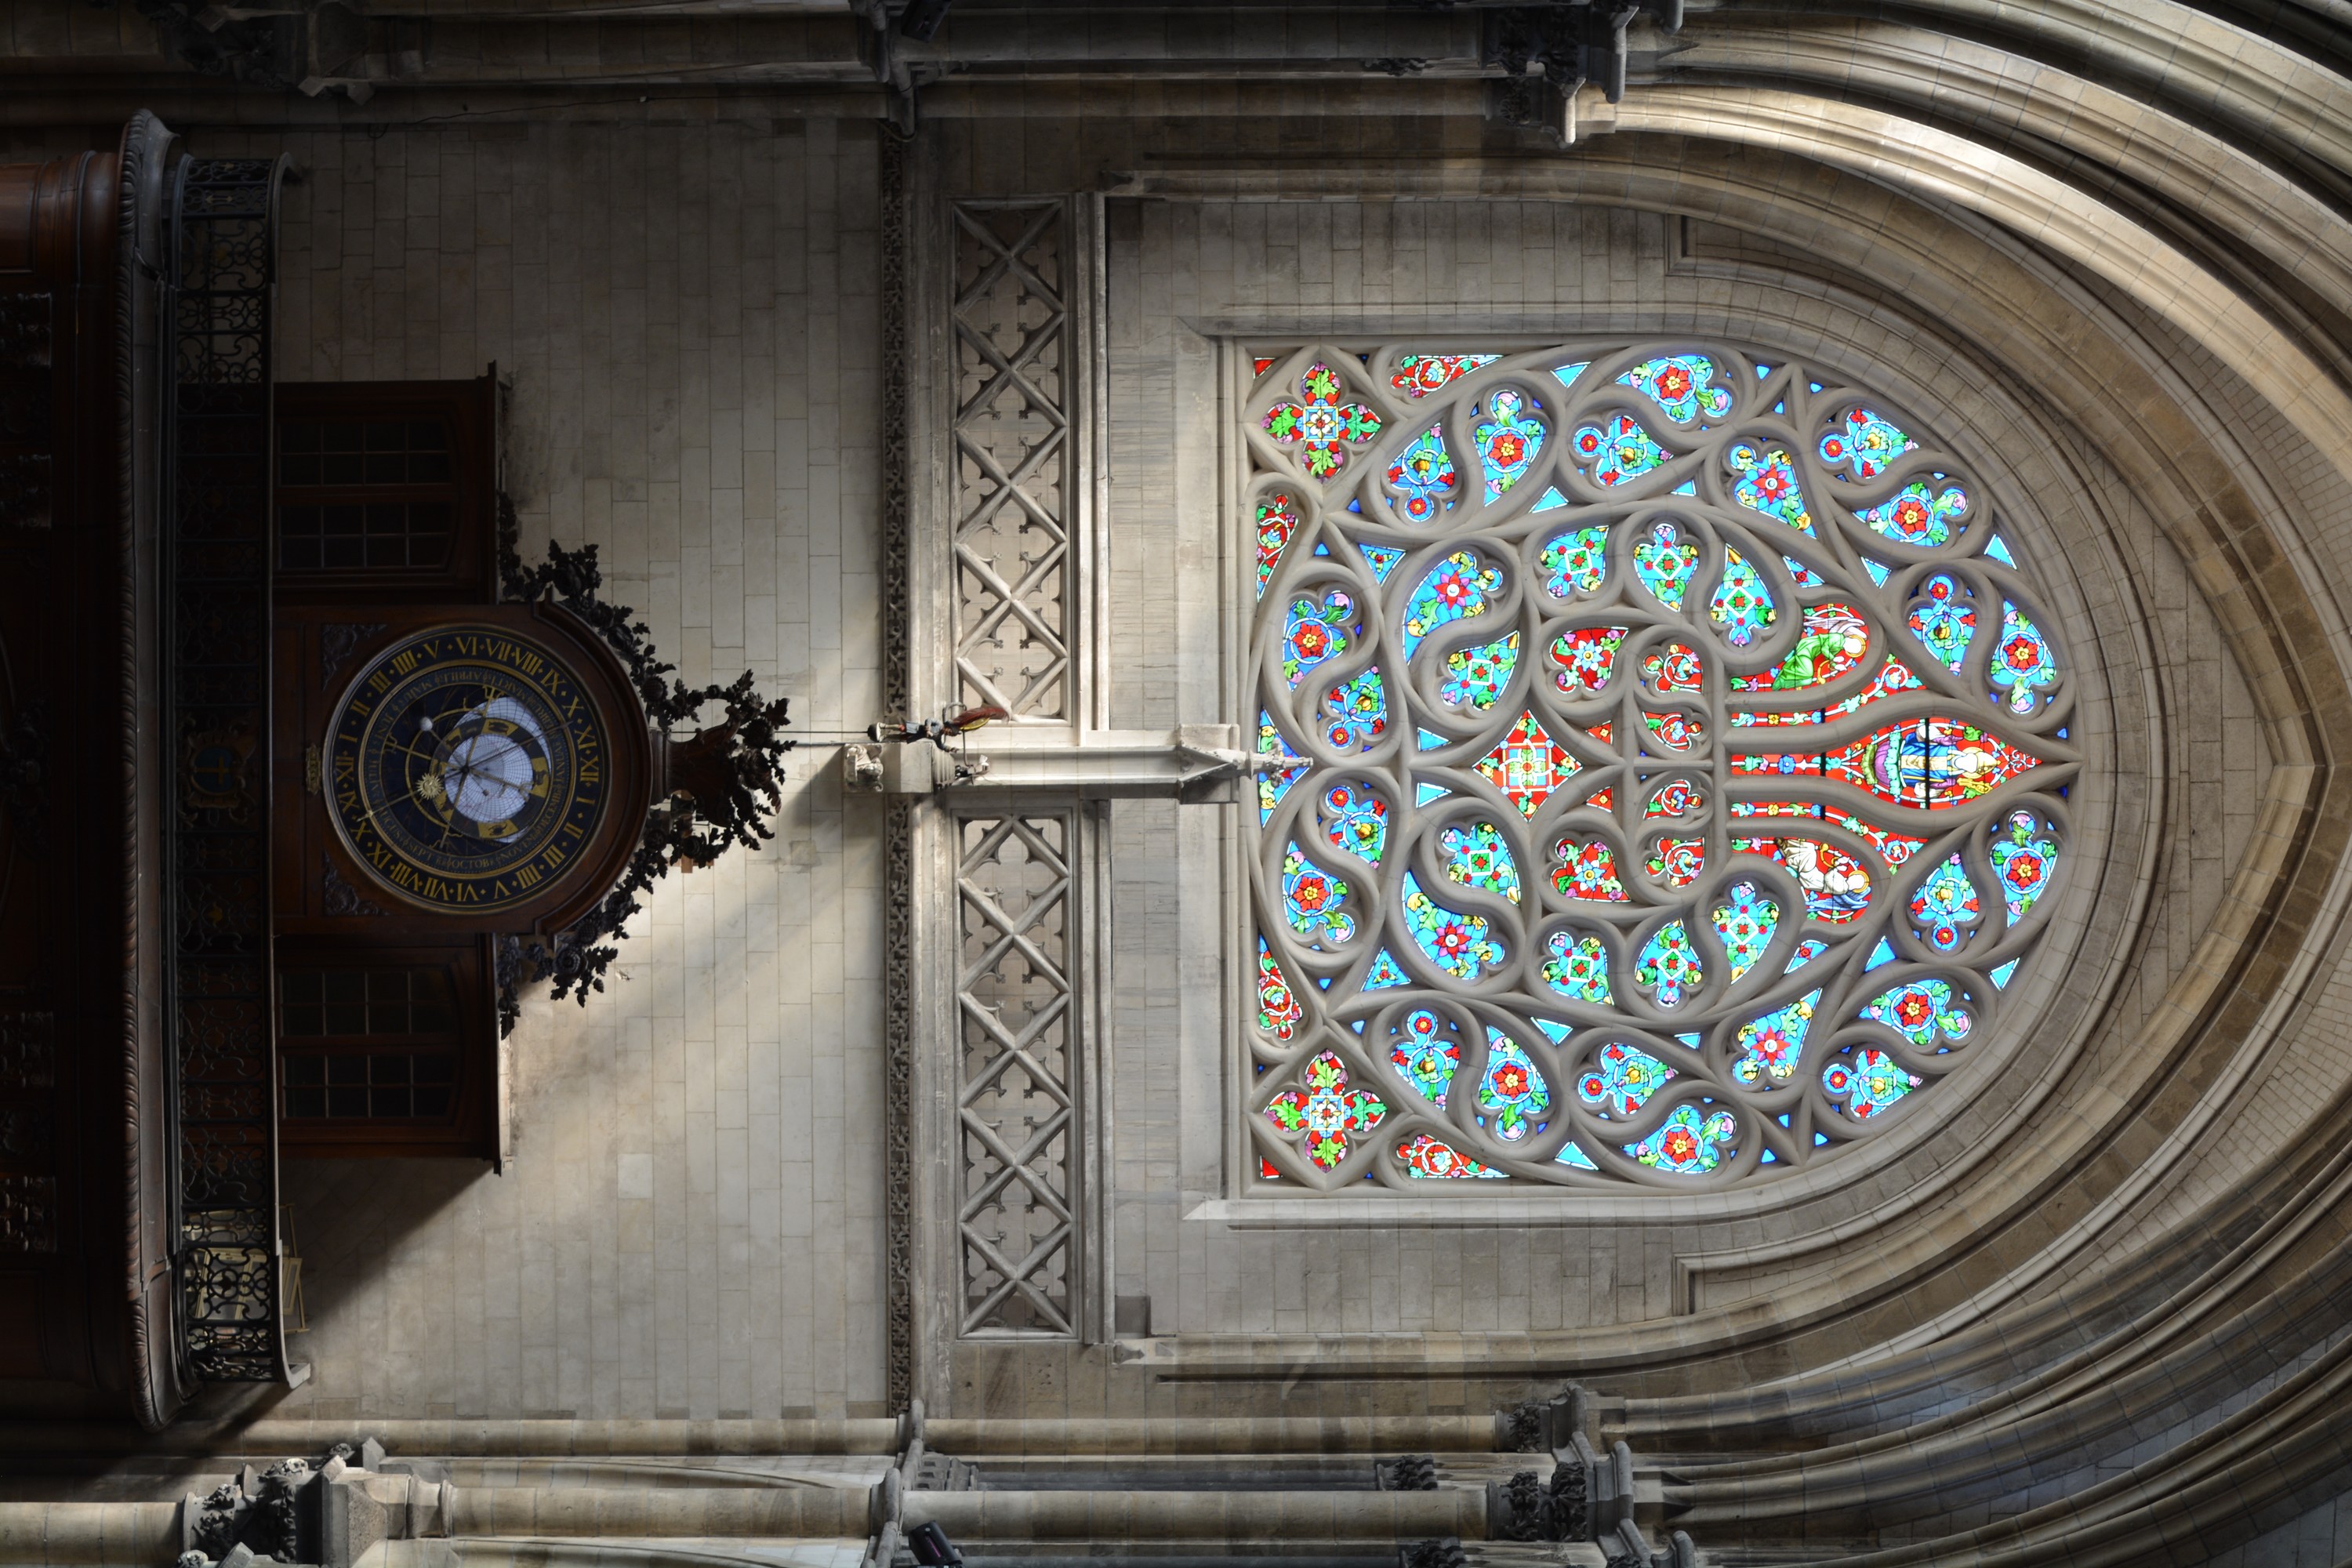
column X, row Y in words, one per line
column 1664, row 764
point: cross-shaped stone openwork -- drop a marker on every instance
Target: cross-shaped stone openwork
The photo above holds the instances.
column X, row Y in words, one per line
column 1321, row 426
column 1322, row 1114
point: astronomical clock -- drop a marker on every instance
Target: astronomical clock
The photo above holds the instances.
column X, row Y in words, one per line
column 451, row 780
column 306, row 779
column 463, row 771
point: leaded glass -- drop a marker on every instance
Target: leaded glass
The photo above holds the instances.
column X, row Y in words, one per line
column 1742, row 607
column 1509, row 439
column 1418, row 375
column 1676, row 667
column 1525, row 765
column 1575, row 562
column 1619, row 451
column 1511, row 1092
column 1356, row 712
column 1944, row 620
column 1322, row 422
column 1356, row 819
column 1477, row 855
column 1421, row 477
column 1317, row 630
column 2023, row 665
column 1921, row 512
column 1277, row 520
column 1426, row 1157
column 1426, row 1052
column 1476, row 676
column 1663, row 771
column 1587, row 658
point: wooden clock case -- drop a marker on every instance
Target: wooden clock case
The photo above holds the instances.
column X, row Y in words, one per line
column 347, row 587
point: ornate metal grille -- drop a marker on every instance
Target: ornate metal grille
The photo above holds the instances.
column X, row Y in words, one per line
column 1016, row 1104
column 1014, row 481
column 217, row 630
column 1668, row 754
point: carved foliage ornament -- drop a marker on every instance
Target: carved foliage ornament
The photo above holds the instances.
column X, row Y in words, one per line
column 728, row 776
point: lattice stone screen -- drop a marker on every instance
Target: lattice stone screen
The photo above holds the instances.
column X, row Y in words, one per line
column 1012, row 595
column 1669, row 765
column 1016, row 1104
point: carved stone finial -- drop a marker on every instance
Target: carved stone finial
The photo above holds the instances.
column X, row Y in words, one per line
column 861, row 769
column 1410, row 1473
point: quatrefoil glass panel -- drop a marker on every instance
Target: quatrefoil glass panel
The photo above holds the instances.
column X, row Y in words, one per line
column 1664, row 763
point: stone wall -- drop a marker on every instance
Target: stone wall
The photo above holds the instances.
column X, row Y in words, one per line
column 690, row 1221
column 1183, row 270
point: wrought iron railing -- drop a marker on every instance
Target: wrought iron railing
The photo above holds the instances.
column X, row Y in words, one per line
column 216, row 641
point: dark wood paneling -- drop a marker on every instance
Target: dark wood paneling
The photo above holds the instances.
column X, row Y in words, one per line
column 80, row 1067
column 467, row 410
column 471, row 1127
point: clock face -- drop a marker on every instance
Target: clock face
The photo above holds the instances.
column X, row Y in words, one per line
column 466, row 769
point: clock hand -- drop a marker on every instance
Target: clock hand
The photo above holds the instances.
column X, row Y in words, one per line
column 369, row 812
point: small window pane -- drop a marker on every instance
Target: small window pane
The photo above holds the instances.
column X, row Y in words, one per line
column 428, row 534
column 333, row 1081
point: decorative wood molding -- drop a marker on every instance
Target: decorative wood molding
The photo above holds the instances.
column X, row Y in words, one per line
column 338, row 898
column 339, row 640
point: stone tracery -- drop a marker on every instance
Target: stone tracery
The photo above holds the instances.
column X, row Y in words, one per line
column 1690, row 786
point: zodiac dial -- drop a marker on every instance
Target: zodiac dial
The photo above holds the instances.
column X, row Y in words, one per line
column 466, row 769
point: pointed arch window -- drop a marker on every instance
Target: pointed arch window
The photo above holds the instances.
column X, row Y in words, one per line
column 1665, row 763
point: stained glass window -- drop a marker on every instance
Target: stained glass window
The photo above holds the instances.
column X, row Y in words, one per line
column 1663, row 765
